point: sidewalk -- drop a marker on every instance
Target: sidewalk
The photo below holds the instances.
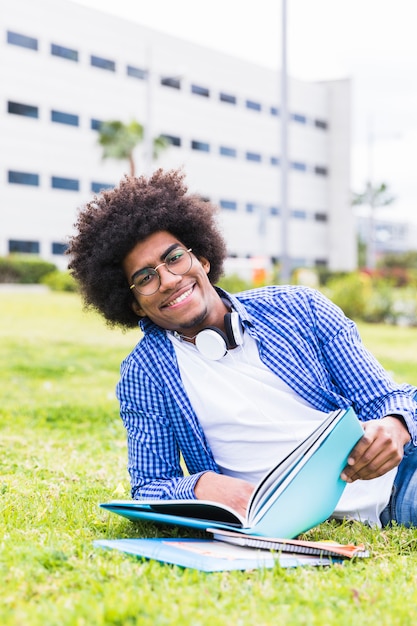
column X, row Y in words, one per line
column 16, row 288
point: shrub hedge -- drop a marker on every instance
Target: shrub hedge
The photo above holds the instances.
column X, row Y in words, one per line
column 23, row 269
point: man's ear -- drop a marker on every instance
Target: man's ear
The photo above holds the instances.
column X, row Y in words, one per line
column 205, row 263
column 136, row 308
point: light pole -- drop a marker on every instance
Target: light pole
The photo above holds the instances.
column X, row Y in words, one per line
column 285, row 261
column 148, row 135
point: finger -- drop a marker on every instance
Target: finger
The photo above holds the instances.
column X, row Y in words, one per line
column 375, row 462
column 361, row 454
column 370, row 471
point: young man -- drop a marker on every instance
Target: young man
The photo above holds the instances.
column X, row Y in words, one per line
column 231, row 382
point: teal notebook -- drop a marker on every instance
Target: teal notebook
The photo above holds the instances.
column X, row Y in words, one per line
column 299, row 493
column 208, row 555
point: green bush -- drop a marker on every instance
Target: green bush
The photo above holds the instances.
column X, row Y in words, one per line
column 370, row 298
column 60, row 281
column 380, row 302
column 404, row 307
column 234, row 283
column 351, row 293
column 24, row 269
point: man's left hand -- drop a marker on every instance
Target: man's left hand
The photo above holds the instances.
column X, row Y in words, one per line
column 380, row 449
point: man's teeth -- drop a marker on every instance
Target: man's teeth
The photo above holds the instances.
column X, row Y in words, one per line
column 180, row 298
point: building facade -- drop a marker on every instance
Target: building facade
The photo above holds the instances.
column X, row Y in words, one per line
column 65, row 69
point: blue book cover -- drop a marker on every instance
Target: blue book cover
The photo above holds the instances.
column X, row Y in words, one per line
column 209, row 555
column 299, row 493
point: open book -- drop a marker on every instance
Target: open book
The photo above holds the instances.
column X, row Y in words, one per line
column 300, row 492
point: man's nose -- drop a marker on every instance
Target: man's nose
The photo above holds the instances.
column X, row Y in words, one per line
column 167, row 278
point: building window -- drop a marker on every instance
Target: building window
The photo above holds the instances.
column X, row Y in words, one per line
column 200, row 91
column 97, row 187
column 320, row 217
column 274, row 160
column 174, row 83
column 227, row 97
column 297, row 165
column 320, row 170
column 23, row 178
column 103, row 64
column 253, row 156
column 200, row 145
column 274, row 111
column 321, row 124
column 65, row 118
column 25, row 247
column 296, row 117
column 70, row 184
column 298, row 214
column 95, row 124
column 59, row 248
column 27, row 110
column 320, row 263
column 274, row 210
column 225, row 151
column 136, row 72
column 172, row 140
column 16, row 39
column 229, row 205
column 64, row 53
column 254, row 106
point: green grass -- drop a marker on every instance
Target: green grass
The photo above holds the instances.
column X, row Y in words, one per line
column 62, row 451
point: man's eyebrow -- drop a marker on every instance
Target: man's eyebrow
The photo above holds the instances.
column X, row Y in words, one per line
column 161, row 258
column 170, row 249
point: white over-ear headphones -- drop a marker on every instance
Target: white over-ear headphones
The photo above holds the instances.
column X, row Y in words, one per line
column 213, row 343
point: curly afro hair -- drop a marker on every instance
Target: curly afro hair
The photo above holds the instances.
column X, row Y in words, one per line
column 108, row 227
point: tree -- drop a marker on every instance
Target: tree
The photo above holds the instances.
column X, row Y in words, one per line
column 119, row 141
column 374, row 197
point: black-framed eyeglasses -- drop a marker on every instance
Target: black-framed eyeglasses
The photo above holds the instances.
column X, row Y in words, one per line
column 147, row 281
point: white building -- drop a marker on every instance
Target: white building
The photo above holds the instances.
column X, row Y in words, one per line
column 392, row 233
column 65, row 68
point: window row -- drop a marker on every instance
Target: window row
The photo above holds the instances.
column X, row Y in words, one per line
column 140, row 73
column 30, row 110
column 264, row 211
column 71, row 119
column 255, row 157
column 57, row 182
column 73, row 184
column 23, row 246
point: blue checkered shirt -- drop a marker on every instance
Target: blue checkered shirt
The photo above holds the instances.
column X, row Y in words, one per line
column 302, row 337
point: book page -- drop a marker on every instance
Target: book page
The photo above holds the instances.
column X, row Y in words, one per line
column 277, row 475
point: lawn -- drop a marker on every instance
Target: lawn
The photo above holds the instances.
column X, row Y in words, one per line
column 63, row 451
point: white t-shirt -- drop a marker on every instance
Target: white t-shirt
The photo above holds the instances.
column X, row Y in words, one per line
column 252, row 418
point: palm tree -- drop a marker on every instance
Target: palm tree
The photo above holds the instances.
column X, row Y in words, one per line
column 374, row 197
column 119, row 141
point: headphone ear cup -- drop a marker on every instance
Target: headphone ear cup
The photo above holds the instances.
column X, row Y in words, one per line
column 233, row 329
column 212, row 343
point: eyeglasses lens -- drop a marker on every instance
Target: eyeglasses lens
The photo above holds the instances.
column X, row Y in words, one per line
column 178, row 262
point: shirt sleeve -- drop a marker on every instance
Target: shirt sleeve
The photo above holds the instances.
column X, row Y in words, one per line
column 356, row 372
column 154, row 461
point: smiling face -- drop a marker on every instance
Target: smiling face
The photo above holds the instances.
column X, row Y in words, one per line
column 186, row 303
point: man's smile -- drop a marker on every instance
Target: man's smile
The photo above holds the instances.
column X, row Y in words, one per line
column 180, row 298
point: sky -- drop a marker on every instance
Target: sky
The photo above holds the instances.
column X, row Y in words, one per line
column 373, row 42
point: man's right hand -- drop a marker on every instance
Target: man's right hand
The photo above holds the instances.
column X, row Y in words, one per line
column 233, row 492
